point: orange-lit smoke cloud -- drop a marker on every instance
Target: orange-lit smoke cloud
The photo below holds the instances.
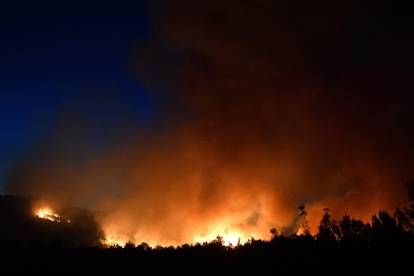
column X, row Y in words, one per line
column 265, row 106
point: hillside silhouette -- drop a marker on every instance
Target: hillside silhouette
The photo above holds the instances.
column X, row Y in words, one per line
column 347, row 245
column 21, row 227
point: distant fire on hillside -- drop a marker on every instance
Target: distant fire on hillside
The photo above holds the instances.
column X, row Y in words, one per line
column 46, row 213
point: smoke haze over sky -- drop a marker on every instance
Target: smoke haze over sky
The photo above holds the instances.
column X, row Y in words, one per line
column 261, row 106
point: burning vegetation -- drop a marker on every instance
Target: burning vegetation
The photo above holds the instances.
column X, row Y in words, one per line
column 263, row 106
column 48, row 214
column 348, row 243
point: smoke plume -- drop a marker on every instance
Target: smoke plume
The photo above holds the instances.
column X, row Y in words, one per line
column 263, row 106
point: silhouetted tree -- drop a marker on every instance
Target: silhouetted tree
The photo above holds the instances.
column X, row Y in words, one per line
column 405, row 216
column 143, row 246
column 385, row 227
column 403, row 219
column 218, row 241
column 129, row 245
column 274, row 233
column 303, row 219
column 328, row 229
column 351, row 229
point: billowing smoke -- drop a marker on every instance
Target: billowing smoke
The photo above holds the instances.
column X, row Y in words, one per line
column 263, row 106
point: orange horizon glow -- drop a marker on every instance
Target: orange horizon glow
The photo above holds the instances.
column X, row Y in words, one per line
column 228, row 228
column 230, row 237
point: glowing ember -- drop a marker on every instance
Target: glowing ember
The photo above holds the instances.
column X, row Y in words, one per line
column 48, row 214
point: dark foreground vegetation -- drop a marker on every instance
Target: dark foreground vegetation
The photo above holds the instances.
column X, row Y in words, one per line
column 386, row 245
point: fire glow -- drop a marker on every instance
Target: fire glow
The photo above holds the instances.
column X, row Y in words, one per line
column 228, row 240
column 110, row 241
column 230, row 237
column 227, row 236
column 47, row 213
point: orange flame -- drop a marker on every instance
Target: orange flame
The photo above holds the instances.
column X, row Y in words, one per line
column 230, row 236
column 48, row 214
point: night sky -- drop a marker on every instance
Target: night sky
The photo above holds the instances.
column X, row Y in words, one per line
column 214, row 117
column 53, row 52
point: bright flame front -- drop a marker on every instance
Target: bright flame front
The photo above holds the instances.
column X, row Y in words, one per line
column 230, row 236
column 231, row 240
column 48, row 214
column 110, row 241
column 227, row 235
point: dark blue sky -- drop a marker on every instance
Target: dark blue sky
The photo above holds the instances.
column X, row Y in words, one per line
column 51, row 52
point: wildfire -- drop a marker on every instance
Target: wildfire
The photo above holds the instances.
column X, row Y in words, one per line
column 230, row 237
column 231, row 240
column 110, row 241
column 48, row 214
